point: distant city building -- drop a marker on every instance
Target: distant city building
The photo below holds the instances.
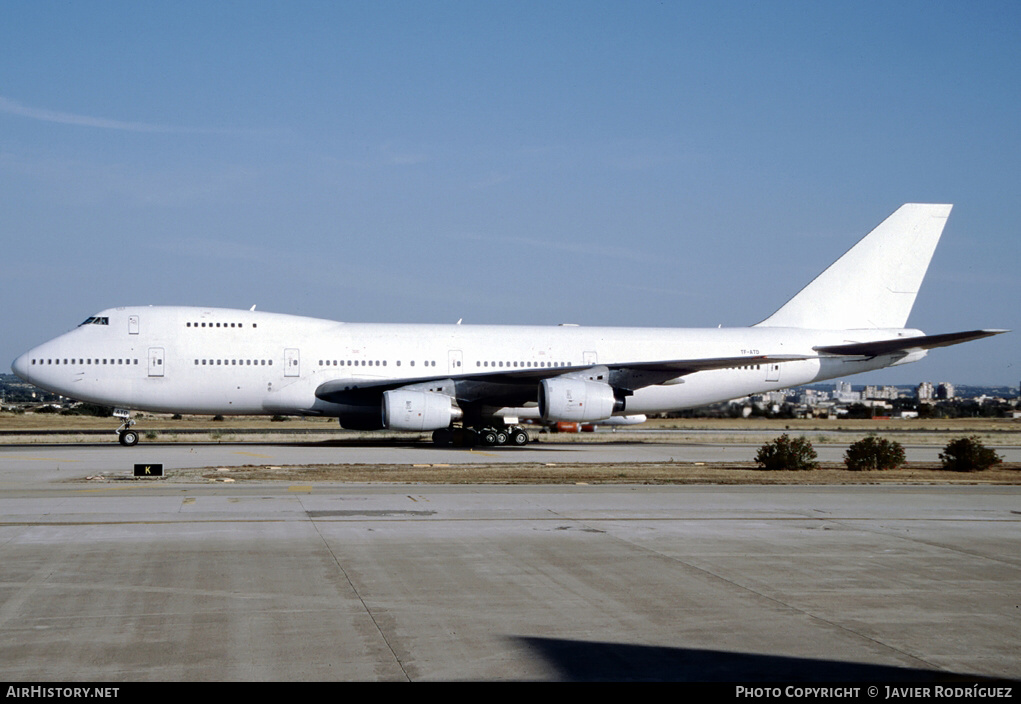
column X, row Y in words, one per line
column 816, row 401
column 925, row 392
column 771, row 398
column 776, row 396
column 882, row 392
column 842, row 393
column 811, row 397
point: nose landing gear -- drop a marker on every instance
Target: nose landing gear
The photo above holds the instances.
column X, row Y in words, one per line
column 125, row 435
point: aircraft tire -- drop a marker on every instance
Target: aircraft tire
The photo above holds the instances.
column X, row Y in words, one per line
column 487, row 436
column 518, row 437
column 128, row 438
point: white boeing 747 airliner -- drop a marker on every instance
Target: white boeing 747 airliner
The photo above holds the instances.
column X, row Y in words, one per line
column 472, row 384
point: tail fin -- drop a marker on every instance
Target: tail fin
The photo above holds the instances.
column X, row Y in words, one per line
column 875, row 283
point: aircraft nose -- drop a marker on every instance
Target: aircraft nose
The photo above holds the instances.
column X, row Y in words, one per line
column 20, row 366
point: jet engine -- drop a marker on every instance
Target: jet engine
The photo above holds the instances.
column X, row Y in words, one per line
column 577, row 400
column 418, row 410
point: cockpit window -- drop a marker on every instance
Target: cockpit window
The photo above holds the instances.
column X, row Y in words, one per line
column 96, row 320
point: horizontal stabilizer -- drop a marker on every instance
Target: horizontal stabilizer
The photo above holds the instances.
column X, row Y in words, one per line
column 903, row 344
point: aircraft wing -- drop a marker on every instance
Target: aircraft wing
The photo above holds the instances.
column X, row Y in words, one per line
column 680, row 367
column 906, row 344
column 506, row 384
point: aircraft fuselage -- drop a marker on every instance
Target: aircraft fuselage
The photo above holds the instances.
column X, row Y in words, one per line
column 222, row 361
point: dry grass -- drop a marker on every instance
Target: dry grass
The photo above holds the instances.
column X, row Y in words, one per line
column 747, row 431
column 593, row 473
column 1001, row 431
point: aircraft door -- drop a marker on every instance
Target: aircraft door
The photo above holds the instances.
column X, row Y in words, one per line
column 292, row 362
column 132, row 324
column 772, row 372
column 454, row 362
column 589, row 358
column 155, row 361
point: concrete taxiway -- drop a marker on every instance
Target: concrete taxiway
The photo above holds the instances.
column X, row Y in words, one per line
column 275, row 581
column 80, row 460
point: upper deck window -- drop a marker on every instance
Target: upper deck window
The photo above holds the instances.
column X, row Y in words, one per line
column 95, row 320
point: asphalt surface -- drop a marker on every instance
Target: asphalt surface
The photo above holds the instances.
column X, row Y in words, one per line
column 133, row 581
column 55, row 461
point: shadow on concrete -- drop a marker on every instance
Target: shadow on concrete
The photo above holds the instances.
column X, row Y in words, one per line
column 601, row 661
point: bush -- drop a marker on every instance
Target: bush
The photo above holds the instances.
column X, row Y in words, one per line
column 874, row 453
column 787, row 453
column 968, row 455
column 89, row 409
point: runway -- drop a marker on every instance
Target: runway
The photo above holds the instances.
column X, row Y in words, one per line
column 127, row 581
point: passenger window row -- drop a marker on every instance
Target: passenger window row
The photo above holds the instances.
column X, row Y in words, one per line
column 235, row 362
column 84, row 361
column 367, row 363
column 504, row 364
column 218, row 325
column 353, row 363
column 526, row 365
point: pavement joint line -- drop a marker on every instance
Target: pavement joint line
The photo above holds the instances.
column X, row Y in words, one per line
column 361, row 599
column 774, row 599
column 863, row 525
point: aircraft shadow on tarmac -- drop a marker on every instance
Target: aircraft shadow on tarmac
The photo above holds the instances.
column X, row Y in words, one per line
column 414, row 443
column 602, row 661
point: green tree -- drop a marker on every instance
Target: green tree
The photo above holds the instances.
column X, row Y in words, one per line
column 968, row 455
column 873, row 452
column 787, row 453
column 858, row 410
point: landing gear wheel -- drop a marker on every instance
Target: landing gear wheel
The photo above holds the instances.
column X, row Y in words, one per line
column 128, row 438
column 502, row 437
column 487, row 436
column 442, row 437
column 518, row 437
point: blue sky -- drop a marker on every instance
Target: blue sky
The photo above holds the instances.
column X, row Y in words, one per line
column 603, row 163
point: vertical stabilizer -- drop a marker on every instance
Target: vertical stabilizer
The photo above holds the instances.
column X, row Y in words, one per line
column 875, row 283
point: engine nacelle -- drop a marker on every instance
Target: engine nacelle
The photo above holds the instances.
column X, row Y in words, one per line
column 576, row 400
column 417, row 410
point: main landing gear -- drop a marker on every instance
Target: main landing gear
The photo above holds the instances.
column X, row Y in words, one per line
column 486, row 436
column 125, row 434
